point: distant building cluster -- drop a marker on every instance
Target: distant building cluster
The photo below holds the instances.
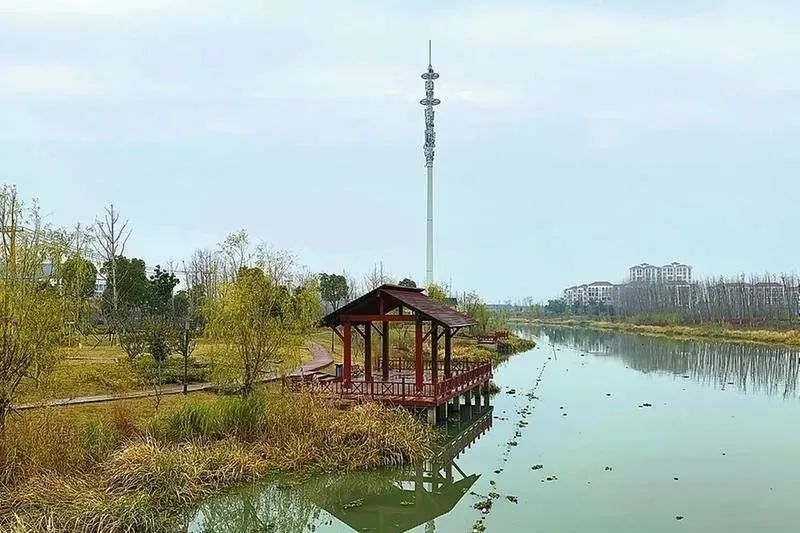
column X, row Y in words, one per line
column 604, row 292
column 667, row 273
column 671, row 289
column 597, row 292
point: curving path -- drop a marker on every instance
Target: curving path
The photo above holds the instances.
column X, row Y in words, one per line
column 320, row 358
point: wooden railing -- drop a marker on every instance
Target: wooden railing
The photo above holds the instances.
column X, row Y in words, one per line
column 407, row 365
column 403, row 390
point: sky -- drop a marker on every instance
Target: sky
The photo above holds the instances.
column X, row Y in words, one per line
column 574, row 138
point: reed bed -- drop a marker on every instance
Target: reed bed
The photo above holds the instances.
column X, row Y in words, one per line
column 121, row 475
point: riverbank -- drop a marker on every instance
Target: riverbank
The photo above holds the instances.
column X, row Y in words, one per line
column 124, row 473
column 721, row 333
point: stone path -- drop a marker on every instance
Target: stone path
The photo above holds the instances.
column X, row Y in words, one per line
column 320, row 359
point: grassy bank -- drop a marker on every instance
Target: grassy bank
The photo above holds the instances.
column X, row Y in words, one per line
column 724, row 333
column 134, row 471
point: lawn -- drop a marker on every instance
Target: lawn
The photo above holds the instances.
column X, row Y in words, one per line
column 92, row 369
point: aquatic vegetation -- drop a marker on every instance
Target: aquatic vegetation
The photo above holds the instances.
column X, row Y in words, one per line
column 97, row 477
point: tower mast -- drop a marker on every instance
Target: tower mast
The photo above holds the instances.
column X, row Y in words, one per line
column 430, row 143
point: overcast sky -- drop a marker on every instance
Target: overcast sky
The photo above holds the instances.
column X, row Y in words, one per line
column 575, row 138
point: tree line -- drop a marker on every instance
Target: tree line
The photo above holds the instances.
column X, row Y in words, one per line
column 746, row 300
column 253, row 303
column 250, row 301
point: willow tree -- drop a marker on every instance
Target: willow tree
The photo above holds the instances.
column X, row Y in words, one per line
column 30, row 308
column 257, row 321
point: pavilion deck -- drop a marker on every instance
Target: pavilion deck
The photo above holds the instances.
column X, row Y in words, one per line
column 398, row 386
column 426, row 382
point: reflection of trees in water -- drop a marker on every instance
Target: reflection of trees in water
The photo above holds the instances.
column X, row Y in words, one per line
column 771, row 370
column 396, row 499
column 256, row 509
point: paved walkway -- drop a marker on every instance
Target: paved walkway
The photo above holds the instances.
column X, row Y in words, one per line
column 320, row 359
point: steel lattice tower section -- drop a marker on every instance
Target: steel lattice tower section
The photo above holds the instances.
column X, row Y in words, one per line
column 430, row 143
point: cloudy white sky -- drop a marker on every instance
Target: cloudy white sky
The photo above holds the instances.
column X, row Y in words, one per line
column 574, row 137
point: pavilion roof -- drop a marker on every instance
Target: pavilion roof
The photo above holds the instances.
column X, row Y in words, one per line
column 395, row 296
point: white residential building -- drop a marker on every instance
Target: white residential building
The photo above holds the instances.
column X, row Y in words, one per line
column 644, row 272
column 595, row 292
column 676, row 272
column 671, row 272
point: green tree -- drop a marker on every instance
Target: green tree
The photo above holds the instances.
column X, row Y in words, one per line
column 160, row 292
column 333, row 289
column 556, row 307
column 30, row 311
column 438, row 293
column 472, row 305
column 78, row 277
column 133, row 287
column 253, row 323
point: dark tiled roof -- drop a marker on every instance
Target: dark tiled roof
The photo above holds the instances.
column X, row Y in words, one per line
column 394, row 296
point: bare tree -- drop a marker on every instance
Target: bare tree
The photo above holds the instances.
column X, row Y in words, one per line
column 205, row 270
column 110, row 239
column 236, row 252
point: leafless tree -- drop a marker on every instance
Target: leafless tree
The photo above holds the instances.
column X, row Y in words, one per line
column 205, row 270
column 236, row 253
column 111, row 236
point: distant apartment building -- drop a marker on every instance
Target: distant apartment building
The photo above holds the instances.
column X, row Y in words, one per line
column 672, row 272
column 595, row 292
column 644, row 272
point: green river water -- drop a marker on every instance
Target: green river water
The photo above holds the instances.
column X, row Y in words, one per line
column 637, row 434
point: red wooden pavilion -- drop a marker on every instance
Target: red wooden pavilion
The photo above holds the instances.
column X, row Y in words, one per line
column 425, row 382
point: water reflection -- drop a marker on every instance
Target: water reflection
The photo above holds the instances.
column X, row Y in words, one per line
column 770, row 370
column 392, row 500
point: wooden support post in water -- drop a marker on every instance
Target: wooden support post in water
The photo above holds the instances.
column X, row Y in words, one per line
column 418, row 365
column 441, row 411
column 348, row 360
column 368, row 352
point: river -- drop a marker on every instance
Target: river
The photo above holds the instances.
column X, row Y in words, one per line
column 592, row 432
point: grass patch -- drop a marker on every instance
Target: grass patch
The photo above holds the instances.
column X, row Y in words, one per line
column 105, row 369
column 725, row 333
column 127, row 471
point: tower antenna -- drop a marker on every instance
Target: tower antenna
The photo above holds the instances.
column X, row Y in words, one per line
column 430, row 143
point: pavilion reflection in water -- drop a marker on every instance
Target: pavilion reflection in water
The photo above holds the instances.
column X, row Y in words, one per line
column 388, row 500
column 419, row 494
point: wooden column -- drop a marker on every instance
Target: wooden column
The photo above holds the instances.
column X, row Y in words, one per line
column 434, row 352
column 348, row 359
column 385, row 351
column 368, row 351
column 448, row 351
column 418, row 368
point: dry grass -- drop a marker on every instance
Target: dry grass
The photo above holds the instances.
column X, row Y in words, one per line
column 127, row 471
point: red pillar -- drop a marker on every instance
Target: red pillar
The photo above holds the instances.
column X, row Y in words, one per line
column 448, row 349
column 385, row 351
column 418, row 353
column 348, row 359
column 434, row 352
column 368, row 351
